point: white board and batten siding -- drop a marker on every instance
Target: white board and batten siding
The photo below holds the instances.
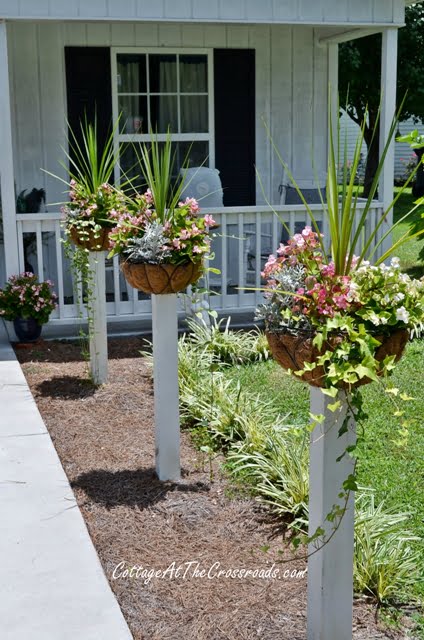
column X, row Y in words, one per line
column 385, row 12
column 289, row 67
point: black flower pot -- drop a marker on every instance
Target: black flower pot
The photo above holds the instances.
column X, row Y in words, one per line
column 27, row 329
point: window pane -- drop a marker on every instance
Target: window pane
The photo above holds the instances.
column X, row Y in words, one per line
column 193, row 154
column 164, row 114
column 133, row 110
column 194, row 114
column 131, row 73
column 163, row 73
column 130, row 168
column 193, row 74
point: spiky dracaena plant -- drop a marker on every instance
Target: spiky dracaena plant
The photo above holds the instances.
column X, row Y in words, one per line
column 347, row 221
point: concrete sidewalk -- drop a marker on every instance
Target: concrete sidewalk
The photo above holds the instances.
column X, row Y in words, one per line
column 52, row 585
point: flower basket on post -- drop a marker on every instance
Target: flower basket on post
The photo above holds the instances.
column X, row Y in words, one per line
column 338, row 318
column 161, row 278
column 87, row 225
column 162, row 242
column 292, row 352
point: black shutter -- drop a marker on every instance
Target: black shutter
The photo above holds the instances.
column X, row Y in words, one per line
column 234, row 71
column 88, row 89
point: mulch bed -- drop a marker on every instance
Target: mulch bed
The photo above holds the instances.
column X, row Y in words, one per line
column 105, row 440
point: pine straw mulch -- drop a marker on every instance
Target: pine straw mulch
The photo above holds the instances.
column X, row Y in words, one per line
column 105, row 440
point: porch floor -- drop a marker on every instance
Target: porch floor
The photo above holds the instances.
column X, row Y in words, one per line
column 54, row 585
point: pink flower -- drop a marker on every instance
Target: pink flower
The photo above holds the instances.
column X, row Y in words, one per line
column 209, row 221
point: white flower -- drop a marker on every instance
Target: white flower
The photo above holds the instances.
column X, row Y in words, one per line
column 398, row 297
column 395, row 262
column 375, row 319
column 402, row 314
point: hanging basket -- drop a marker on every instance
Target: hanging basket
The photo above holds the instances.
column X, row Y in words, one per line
column 90, row 242
column 293, row 351
column 161, row 278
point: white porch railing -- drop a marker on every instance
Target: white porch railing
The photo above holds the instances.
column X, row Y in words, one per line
column 245, row 238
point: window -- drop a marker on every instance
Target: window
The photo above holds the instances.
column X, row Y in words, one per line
column 157, row 89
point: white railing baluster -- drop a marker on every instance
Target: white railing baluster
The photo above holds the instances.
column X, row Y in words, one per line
column 59, row 286
column 242, row 262
column 291, row 222
column 116, row 285
column 276, row 233
column 40, row 257
column 258, row 252
column 224, row 263
column 21, row 253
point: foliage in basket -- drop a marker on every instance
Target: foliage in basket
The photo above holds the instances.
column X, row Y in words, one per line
column 140, row 234
column 91, row 197
column 25, row 297
column 158, row 226
column 305, row 295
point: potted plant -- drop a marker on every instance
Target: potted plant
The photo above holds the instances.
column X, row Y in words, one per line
column 161, row 239
column 332, row 317
column 337, row 330
column 28, row 303
column 91, row 197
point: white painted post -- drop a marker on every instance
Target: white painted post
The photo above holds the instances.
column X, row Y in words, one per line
column 98, row 329
column 165, row 373
column 330, row 570
column 7, row 181
column 388, row 108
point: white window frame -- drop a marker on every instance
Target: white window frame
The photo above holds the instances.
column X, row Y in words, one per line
column 176, row 137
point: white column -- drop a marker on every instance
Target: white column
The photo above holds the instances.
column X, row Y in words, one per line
column 330, row 570
column 7, row 181
column 333, row 79
column 98, row 328
column 165, row 372
column 388, row 109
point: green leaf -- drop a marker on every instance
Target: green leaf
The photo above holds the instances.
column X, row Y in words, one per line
column 334, row 406
column 317, row 417
column 331, row 391
column 350, row 483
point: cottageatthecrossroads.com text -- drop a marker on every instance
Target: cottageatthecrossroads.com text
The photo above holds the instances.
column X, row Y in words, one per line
column 194, row 569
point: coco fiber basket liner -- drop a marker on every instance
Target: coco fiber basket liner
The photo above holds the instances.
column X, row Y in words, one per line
column 293, row 351
column 161, row 278
column 92, row 243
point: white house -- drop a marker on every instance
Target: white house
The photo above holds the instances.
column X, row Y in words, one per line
column 216, row 71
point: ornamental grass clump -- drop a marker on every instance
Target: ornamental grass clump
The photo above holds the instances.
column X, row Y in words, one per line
column 25, row 297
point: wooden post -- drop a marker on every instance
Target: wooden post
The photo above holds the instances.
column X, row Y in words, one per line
column 330, row 570
column 98, row 328
column 165, row 372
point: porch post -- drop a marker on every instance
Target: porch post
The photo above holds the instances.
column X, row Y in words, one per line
column 388, row 109
column 7, row 182
column 330, row 569
column 333, row 79
column 165, row 377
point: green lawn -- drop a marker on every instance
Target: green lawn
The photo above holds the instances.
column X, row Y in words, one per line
column 408, row 253
column 395, row 473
